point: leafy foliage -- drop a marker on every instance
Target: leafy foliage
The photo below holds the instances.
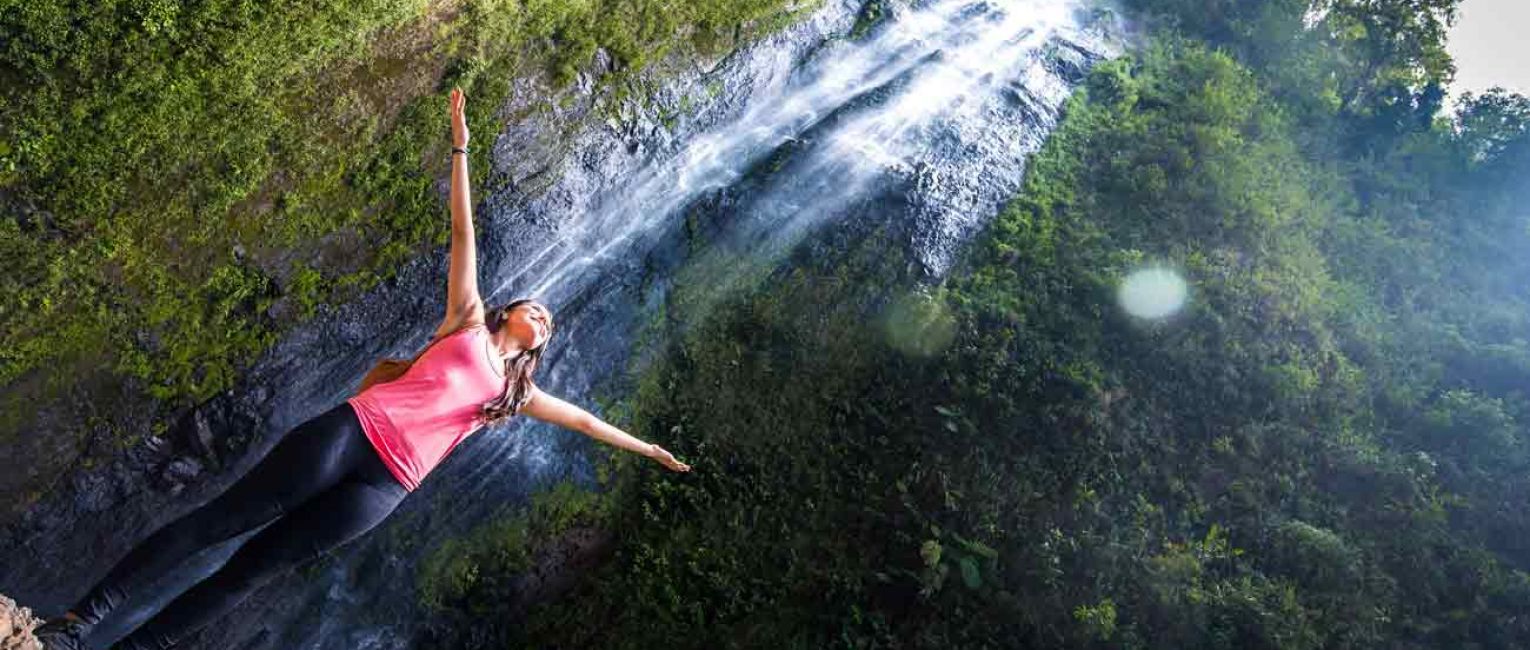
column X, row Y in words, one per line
column 1326, row 448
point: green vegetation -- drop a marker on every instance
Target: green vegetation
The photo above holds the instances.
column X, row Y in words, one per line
column 457, row 579
column 1327, row 449
column 186, row 181
column 872, row 13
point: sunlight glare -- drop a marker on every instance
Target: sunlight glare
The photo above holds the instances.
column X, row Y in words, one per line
column 1153, row 293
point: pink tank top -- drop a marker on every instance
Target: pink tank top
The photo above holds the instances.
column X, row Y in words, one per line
column 416, row 420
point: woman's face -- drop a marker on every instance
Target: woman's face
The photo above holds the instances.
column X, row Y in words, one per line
column 530, row 324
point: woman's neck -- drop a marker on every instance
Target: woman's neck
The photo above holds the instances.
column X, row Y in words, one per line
column 505, row 345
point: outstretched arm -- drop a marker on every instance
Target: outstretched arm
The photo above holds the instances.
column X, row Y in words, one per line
column 462, row 277
column 551, row 409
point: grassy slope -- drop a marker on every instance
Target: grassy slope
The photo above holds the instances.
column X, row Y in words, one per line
column 183, row 182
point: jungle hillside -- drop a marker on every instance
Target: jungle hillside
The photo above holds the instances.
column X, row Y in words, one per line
column 1328, row 447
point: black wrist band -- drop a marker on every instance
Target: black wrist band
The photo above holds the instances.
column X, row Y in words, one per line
column 459, row 150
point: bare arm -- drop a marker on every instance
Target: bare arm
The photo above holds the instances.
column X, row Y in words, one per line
column 547, row 408
column 462, row 277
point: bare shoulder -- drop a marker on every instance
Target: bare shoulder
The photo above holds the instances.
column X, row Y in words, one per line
column 475, row 315
column 536, row 400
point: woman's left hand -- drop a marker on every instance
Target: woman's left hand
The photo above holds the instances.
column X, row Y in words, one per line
column 660, row 454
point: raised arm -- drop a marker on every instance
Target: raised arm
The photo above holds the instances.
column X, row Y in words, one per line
column 547, row 408
column 462, row 297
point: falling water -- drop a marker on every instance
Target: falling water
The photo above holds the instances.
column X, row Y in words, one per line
column 962, row 58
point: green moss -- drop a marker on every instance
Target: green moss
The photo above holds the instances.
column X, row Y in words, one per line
column 467, row 581
column 872, row 13
column 231, row 125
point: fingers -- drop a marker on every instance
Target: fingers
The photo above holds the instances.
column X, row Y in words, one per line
column 668, row 459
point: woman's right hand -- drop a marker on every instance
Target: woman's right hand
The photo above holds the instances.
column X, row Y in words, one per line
column 459, row 119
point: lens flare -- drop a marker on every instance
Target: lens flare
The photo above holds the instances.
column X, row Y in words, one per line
column 1153, row 293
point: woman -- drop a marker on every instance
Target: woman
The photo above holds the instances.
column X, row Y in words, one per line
column 341, row 473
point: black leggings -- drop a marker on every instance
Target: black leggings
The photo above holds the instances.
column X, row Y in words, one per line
column 323, row 484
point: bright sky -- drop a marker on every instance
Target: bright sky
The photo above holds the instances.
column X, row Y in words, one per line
column 1489, row 46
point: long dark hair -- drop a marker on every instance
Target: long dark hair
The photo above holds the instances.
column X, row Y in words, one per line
column 518, row 370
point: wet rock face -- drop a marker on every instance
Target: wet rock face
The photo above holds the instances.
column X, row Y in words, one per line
column 94, row 514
